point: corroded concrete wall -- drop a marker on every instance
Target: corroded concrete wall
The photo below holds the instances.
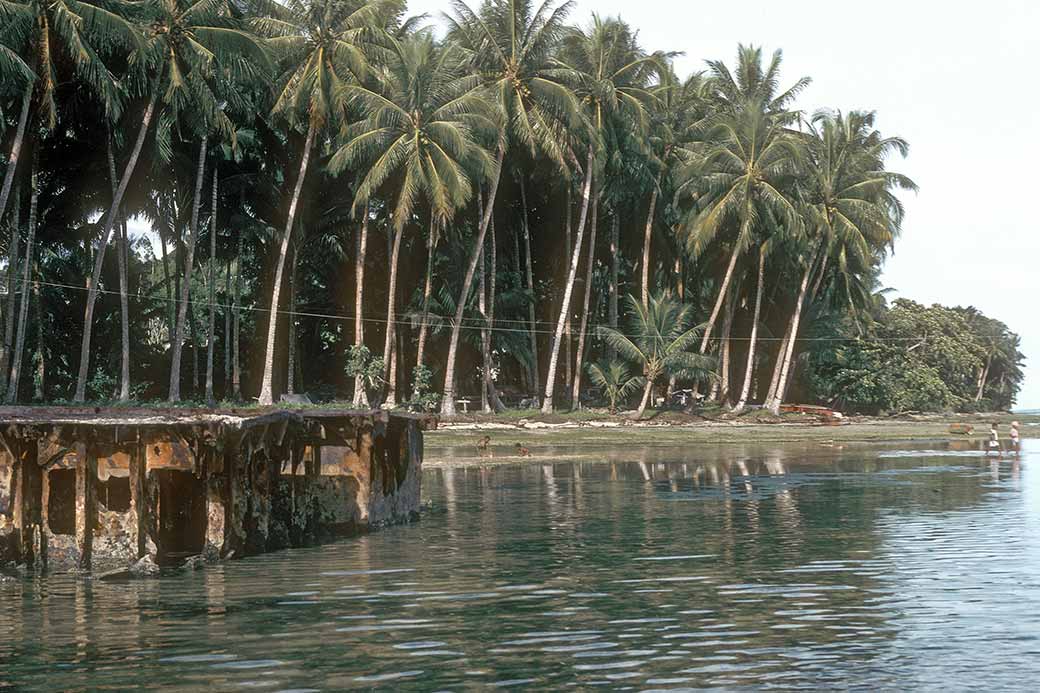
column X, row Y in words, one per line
column 74, row 498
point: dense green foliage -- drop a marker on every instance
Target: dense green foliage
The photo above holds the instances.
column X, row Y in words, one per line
column 434, row 218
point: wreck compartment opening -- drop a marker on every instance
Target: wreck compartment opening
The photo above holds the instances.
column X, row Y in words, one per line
column 61, row 501
column 114, row 493
column 181, row 515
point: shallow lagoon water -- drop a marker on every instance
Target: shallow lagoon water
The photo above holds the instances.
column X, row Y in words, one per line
column 760, row 566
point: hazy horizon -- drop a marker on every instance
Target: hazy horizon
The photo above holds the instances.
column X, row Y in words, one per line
column 950, row 81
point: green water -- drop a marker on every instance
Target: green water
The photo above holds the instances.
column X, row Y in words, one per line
column 727, row 567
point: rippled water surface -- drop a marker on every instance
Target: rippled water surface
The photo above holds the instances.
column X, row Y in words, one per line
column 715, row 567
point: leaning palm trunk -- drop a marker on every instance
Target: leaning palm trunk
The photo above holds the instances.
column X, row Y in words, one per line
column 485, row 336
column 568, row 338
column 774, row 382
column 646, row 240
column 12, row 264
column 124, row 299
column 645, row 401
column 496, row 402
column 23, row 310
column 267, row 386
column 781, row 387
column 554, row 353
column 582, row 334
column 391, row 320
column 212, row 332
column 448, row 405
column 710, row 326
column 533, row 383
column 182, row 308
column 110, row 220
column 16, row 150
column 749, row 370
column 983, row 378
column 720, row 388
column 360, row 395
column 424, row 326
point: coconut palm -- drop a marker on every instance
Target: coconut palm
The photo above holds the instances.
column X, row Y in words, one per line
column 613, row 75
column 660, row 340
column 35, row 38
column 852, row 213
column 615, row 381
column 184, row 49
column 737, row 181
column 511, row 44
column 420, row 143
column 323, row 46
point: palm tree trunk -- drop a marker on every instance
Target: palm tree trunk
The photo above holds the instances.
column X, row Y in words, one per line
column 185, row 295
column 615, row 276
column 496, row 402
column 360, row 394
column 211, row 335
column 720, row 390
column 12, row 289
column 267, row 387
column 391, row 319
column 110, row 220
column 236, row 370
column 227, row 328
column 171, row 307
column 485, row 336
column 645, row 401
column 554, row 353
column 646, row 241
column 535, row 369
column 124, row 314
column 774, row 382
column 124, row 298
column 781, row 388
column 983, row 378
column 41, row 364
column 749, row 370
column 424, row 326
column 448, row 404
column 582, row 334
column 16, row 149
column 23, row 310
column 568, row 340
column 720, row 300
column 290, row 376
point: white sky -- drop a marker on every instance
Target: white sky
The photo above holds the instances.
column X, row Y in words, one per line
column 958, row 80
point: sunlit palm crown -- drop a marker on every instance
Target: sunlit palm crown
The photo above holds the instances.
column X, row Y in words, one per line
column 425, row 133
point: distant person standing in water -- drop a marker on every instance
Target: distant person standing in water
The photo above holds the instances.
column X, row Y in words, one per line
column 1015, row 444
column 994, row 441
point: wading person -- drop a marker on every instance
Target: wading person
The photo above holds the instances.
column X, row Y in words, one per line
column 1015, row 440
column 994, row 441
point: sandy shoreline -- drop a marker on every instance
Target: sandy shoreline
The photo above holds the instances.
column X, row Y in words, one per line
column 455, row 443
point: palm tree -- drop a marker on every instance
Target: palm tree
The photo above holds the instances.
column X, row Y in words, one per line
column 511, row 44
column 184, row 47
column 615, row 380
column 38, row 35
column 323, row 45
column 660, row 339
column 613, row 76
column 420, row 141
column 737, row 181
column 850, row 209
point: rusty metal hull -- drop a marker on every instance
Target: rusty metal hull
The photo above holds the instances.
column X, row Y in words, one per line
column 99, row 489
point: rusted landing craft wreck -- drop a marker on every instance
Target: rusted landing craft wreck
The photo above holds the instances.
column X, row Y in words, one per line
column 99, row 489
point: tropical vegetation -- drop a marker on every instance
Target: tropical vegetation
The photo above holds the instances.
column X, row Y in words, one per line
column 233, row 201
